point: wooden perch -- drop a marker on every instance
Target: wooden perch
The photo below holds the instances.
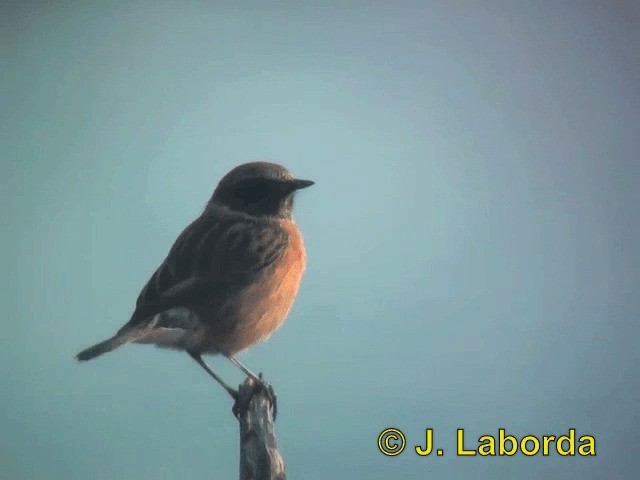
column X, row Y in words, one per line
column 260, row 458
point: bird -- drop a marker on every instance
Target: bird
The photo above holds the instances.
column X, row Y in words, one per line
column 230, row 278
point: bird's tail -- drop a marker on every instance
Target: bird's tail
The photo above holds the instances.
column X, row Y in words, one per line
column 102, row 347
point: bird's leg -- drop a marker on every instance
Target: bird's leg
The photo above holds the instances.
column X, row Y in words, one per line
column 198, row 359
column 259, row 382
column 249, row 373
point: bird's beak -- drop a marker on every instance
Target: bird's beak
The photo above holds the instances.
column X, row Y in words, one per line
column 297, row 184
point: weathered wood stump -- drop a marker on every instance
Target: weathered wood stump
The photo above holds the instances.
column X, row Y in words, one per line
column 260, row 458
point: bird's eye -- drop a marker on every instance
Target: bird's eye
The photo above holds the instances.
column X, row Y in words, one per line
column 252, row 191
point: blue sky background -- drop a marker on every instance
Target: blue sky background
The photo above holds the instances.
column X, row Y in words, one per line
column 472, row 237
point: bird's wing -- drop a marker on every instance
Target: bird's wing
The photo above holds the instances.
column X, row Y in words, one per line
column 212, row 256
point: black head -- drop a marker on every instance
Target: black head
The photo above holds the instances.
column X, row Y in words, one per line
column 259, row 188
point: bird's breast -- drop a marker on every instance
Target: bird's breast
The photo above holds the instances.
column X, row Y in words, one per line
column 262, row 306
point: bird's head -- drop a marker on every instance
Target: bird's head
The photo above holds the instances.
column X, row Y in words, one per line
column 259, row 189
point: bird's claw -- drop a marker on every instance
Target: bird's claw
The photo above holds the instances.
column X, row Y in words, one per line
column 235, row 394
column 244, row 397
column 273, row 398
column 237, row 408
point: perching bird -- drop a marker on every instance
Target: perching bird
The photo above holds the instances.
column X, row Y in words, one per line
column 231, row 276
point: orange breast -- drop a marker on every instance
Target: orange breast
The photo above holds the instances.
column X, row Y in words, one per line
column 263, row 306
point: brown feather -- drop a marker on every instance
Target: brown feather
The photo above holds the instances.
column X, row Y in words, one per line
column 262, row 307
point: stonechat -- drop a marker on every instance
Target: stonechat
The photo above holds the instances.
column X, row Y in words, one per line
column 230, row 278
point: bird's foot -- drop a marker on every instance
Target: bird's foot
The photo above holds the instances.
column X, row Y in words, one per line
column 235, row 394
column 248, row 390
column 271, row 395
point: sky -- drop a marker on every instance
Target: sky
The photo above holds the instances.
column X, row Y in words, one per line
column 472, row 238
